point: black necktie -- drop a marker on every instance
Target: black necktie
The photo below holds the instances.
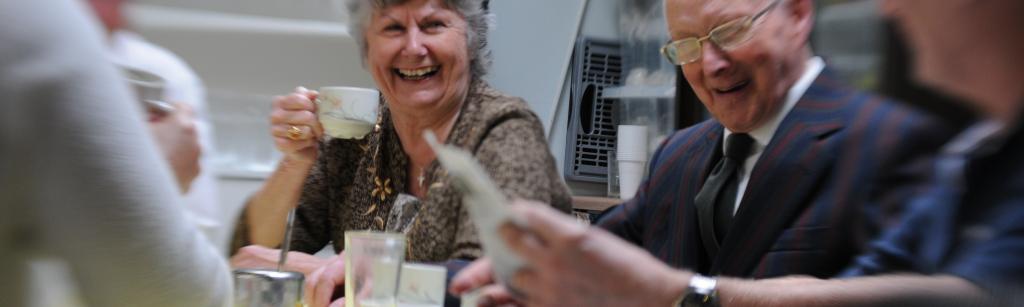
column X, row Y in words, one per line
column 717, row 197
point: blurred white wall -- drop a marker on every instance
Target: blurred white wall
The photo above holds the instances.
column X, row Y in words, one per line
column 532, row 45
column 323, row 10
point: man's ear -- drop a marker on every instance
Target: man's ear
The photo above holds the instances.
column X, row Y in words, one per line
column 802, row 13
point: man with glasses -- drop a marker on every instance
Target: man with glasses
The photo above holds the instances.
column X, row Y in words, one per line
column 794, row 173
column 960, row 244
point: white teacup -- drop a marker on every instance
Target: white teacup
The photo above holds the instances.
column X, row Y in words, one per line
column 347, row 112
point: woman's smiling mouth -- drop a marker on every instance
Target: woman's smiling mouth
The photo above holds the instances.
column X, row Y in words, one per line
column 417, row 74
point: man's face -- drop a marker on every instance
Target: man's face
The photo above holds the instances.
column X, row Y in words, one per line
column 109, row 13
column 745, row 86
column 936, row 36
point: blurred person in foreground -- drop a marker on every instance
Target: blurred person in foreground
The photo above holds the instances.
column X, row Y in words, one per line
column 960, row 244
column 182, row 86
column 794, row 173
column 81, row 182
column 428, row 58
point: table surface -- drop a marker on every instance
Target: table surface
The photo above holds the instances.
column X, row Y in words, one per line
column 594, row 203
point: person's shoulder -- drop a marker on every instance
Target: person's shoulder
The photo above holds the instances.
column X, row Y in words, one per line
column 877, row 103
column 863, row 109
column 134, row 44
column 494, row 105
column 896, row 128
column 877, row 108
column 495, row 101
column 136, row 50
column 682, row 147
column 690, row 140
column 687, row 136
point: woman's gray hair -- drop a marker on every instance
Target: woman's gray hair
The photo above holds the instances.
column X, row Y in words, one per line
column 478, row 20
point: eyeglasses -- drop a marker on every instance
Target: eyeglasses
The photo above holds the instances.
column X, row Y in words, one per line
column 726, row 36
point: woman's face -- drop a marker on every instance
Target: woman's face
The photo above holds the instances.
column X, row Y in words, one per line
column 417, row 54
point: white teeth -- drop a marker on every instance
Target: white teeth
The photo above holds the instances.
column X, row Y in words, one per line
column 417, row 72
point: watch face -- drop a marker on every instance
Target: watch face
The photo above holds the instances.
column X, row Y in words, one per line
column 694, row 299
column 701, row 292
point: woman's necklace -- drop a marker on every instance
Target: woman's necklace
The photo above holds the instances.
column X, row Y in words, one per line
column 420, row 178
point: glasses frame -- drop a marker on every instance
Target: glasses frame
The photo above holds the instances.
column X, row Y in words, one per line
column 670, row 50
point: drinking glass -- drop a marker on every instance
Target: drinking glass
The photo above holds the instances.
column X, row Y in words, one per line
column 373, row 261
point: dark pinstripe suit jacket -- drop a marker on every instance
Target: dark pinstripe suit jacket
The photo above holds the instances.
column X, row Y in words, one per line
column 839, row 164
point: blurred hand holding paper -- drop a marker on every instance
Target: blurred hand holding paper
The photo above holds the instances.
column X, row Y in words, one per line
column 486, row 205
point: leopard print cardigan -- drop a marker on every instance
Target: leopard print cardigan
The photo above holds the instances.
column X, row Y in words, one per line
column 357, row 184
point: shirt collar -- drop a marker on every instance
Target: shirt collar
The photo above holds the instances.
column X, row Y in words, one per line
column 763, row 134
column 978, row 139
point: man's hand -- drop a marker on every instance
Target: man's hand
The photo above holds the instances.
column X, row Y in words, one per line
column 175, row 135
column 480, row 275
column 569, row 264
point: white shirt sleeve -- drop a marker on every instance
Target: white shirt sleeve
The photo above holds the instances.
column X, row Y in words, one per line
column 82, row 176
column 202, row 203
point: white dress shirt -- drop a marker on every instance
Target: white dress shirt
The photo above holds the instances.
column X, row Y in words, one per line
column 763, row 134
column 201, row 203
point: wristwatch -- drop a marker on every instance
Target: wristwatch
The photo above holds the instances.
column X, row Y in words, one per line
column 700, row 293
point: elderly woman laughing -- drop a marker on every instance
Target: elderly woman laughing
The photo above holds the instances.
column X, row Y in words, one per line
column 428, row 58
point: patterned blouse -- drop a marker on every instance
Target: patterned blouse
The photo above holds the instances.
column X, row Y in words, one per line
column 358, row 184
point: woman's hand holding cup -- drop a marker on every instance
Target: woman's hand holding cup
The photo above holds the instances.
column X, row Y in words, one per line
column 295, row 127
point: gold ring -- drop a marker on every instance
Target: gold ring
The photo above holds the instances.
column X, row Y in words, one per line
column 294, row 133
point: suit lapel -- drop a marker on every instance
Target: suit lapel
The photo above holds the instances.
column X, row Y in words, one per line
column 697, row 170
column 785, row 178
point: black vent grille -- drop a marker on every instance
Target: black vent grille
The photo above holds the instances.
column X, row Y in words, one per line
column 590, row 141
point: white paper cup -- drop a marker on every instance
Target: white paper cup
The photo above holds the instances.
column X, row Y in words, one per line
column 631, row 144
column 630, row 175
column 347, row 112
column 421, row 285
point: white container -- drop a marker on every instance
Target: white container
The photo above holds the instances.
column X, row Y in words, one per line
column 631, row 173
column 631, row 143
column 631, row 155
column 347, row 112
column 650, row 106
